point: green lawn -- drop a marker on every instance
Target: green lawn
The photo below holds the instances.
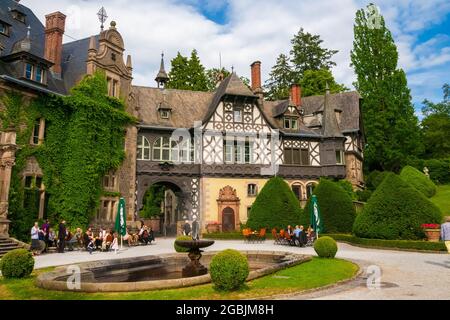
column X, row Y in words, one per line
column 442, row 199
column 316, row 273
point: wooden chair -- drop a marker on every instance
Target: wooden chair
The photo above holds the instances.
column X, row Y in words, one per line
column 247, row 233
column 261, row 236
column 282, row 236
column 276, row 236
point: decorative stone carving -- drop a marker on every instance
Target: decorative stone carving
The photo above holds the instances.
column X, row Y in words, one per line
column 228, row 194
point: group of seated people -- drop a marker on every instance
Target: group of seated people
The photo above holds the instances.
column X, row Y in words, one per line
column 295, row 236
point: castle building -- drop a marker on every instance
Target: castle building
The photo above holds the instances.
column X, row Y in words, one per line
column 34, row 61
column 214, row 151
column 211, row 152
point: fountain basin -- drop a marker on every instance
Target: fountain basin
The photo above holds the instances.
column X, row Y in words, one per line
column 156, row 272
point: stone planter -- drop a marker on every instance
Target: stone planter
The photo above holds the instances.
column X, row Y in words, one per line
column 433, row 235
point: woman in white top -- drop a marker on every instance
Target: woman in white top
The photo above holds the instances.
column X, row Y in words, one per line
column 35, row 245
column 115, row 244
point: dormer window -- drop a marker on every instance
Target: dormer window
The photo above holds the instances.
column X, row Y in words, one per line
column 164, row 114
column 19, row 16
column 4, row 29
column 34, row 72
column 291, row 123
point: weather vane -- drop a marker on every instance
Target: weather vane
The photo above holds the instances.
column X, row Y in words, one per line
column 102, row 16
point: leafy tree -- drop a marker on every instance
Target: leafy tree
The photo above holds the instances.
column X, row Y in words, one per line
column 276, row 206
column 308, row 54
column 214, row 76
column 391, row 126
column 395, row 211
column 187, row 73
column 436, row 127
column 314, row 82
column 152, row 201
column 280, row 79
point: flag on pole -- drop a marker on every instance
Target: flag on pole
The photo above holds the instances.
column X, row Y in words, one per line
column 121, row 219
column 316, row 220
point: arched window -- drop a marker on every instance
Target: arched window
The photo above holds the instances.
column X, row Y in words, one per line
column 297, row 189
column 143, row 148
column 165, row 149
column 310, row 189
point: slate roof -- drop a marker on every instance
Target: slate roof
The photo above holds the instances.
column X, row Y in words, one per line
column 74, row 54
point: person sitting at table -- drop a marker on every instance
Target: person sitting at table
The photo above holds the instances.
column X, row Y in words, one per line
column 290, row 231
column 297, row 232
column 51, row 238
column 70, row 240
column 99, row 239
column 107, row 241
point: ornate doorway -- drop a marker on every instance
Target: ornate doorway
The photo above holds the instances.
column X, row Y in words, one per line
column 228, row 223
column 228, row 209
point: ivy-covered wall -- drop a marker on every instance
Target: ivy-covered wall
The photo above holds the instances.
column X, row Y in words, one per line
column 84, row 139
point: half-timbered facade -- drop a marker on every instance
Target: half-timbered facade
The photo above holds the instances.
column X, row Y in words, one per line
column 217, row 150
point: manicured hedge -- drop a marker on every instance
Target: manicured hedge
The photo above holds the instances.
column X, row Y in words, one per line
column 276, row 206
column 336, row 208
column 418, row 180
column 375, row 178
column 395, row 211
column 391, row 244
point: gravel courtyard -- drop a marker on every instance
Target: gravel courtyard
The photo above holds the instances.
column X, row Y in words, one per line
column 404, row 275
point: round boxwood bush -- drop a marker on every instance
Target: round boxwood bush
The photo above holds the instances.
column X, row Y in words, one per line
column 325, row 247
column 181, row 249
column 336, row 208
column 418, row 180
column 18, row 263
column 395, row 211
column 229, row 269
column 276, row 206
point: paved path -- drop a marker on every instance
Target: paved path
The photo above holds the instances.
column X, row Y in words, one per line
column 405, row 275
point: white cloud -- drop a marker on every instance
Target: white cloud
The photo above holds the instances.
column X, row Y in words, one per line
column 254, row 31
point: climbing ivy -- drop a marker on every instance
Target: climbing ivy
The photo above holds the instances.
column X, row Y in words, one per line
column 84, row 139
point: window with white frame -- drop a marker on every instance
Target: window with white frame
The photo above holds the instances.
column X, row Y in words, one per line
column 252, row 190
column 237, row 114
column 143, row 148
column 340, row 157
column 291, row 123
column 238, row 151
column 165, row 149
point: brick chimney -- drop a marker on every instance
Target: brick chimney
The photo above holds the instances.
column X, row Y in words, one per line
column 296, row 95
column 256, row 77
column 54, row 31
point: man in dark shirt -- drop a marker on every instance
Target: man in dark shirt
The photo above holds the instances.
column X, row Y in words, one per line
column 62, row 236
column 186, row 228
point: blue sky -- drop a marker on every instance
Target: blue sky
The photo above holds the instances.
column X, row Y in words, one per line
column 242, row 31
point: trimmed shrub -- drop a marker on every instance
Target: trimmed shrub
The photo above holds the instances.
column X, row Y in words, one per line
column 375, row 178
column 325, row 247
column 336, row 208
column 181, row 249
column 395, row 211
column 229, row 269
column 276, row 206
column 418, row 180
column 18, row 263
column 364, row 195
column 348, row 187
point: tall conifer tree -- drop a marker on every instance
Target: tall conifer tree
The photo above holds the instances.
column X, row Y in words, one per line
column 391, row 127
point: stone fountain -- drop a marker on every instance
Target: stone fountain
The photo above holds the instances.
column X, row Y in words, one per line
column 194, row 268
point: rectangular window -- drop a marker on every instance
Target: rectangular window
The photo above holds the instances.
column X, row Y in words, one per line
column 252, row 189
column 238, row 151
column 305, row 157
column 36, row 129
column 114, row 88
column 291, row 123
column 237, row 112
column 28, row 181
column 164, row 114
column 29, row 71
column 229, row 151
column 340, row 157
column 296, row 156
column 38, row 182
column 39, row 74
column 4, row 29
column 294, row 124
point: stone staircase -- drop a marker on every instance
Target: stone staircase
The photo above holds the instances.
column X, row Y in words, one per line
column 7, row 244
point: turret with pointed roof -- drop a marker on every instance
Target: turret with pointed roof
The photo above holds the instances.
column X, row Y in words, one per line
column 162, row 78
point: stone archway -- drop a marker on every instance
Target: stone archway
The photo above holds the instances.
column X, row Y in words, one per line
column 228, row 209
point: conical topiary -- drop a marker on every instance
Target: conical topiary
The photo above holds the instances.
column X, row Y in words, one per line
column 275, row 206
column 418, row 180
column 395, row 211
column 336, row 208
